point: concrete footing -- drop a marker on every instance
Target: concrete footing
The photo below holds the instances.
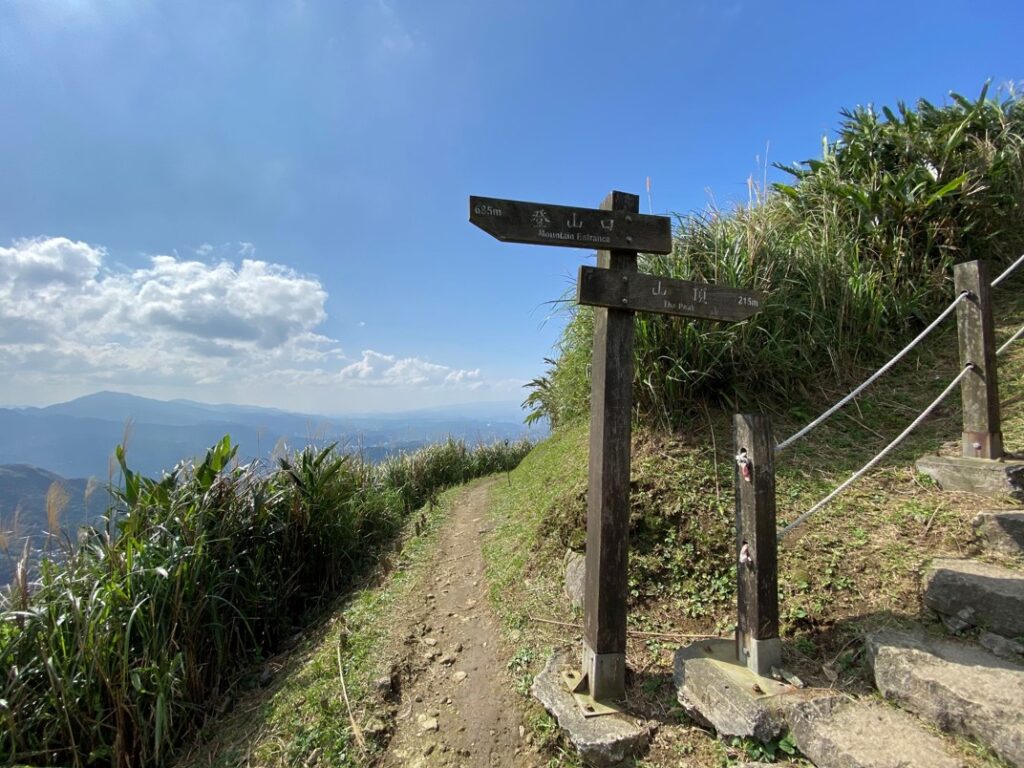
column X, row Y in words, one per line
column 718, row 690
column 985, row 477
column 604, row 741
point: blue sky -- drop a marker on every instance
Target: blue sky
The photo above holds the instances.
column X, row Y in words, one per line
column 266, row 201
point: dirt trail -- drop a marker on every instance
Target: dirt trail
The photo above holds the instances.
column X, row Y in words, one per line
column 457, row 709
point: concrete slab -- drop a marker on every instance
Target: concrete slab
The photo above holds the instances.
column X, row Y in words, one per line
column 836, row 732
column 976, row 594
column 985, row 477
column 719, row 691
column 1001, row 531
column 961, row 688
column 605, row 741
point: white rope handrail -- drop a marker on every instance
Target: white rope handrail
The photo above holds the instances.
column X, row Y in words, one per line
column 1009, row 341
column 1008, row 271
column 878, row 457
column 871, row 379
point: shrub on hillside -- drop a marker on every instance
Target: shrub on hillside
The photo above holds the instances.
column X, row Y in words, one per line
column 854, row 256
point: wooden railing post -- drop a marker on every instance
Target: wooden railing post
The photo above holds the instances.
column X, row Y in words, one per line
column 757, row 632
column 982, row 433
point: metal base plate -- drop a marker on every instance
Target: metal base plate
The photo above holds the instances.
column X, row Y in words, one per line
column 589, row 707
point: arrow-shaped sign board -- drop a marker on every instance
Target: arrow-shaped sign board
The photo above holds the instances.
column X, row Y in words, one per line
column 515, row 221
column 665, row 296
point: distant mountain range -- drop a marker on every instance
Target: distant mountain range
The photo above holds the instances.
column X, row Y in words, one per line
column 77, row 438
column 70, row 446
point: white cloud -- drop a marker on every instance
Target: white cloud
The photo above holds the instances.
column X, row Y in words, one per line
column 388, row 370
column 66, row 315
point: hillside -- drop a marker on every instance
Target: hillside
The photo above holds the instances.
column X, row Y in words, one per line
column 26, row 495
column 855, row 565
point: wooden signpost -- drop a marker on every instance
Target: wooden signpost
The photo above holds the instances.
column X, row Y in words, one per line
column 618, row 230
column 513, row 221
column 648, row 293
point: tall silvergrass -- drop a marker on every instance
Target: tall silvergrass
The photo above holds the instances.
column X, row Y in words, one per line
column 118, row 649
column 854, row 256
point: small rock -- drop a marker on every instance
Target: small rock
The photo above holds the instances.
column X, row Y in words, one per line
column 427, row 723
column 459, row 676
column 374, row 726
column 1001, row 646
column 431, row 641
column 429, row 748
column 522, row 731
column 429, row 656
column 458, row 648
column 963, row 620
column 575, row 576
column 448, row 658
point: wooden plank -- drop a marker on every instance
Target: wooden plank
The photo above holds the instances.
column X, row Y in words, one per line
column 611, row 406
column 757, row 631
column 982, row 433
column 516, row 221
column 666, row 296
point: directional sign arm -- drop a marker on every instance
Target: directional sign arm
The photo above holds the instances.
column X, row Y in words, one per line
column 666, row 296
column 516, row 221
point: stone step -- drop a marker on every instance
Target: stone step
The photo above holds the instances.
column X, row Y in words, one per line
column 976, row 594
column 1001, row 531
column 842, row 733
column 960, row 688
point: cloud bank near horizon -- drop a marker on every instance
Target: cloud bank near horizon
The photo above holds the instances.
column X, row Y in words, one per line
column 67, row 313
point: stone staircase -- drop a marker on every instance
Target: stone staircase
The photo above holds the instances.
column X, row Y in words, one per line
column 968, row 687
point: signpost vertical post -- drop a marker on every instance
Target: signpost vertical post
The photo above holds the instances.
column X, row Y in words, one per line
column 982, row 433
column 757, row 632
column 611, row 409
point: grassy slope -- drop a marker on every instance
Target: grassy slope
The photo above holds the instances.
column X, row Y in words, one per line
column 856, row 563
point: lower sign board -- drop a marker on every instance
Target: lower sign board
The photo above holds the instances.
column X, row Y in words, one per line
column 515, row 221
column 649, row 293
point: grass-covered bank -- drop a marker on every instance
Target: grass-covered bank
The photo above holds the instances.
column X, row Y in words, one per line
column 856, row 563
column 114, row 655
column 854, row 256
